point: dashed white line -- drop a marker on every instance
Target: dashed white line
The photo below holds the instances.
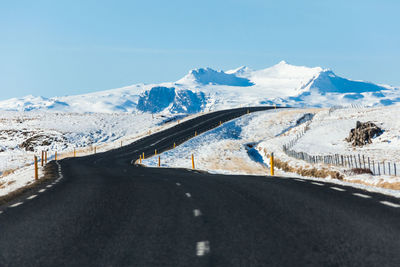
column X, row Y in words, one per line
column 178, row 184
column 16, row 204
column 361, row 195
column 49, row 186
column 387, row 203
column 338, row 189
column 32, row 197
column 196, row 213
column 188, row 194
column 202, row 248
column 42, row 190
column 317, row 183
column 299, row 180
column 1, row 211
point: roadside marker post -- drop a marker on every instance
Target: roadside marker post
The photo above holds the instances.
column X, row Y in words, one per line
column 140, row 159
column 159, row 161
column 36, row 168
column 220, row 123
column 55, row 156
column 42, row 158
column 195, row 133
column 45, row 157
column 74, row 152
column 121, row 143
column 143, row 155
column 272, row 164
column 174, row 145
column 192, row 161
column 95, row 150
column 155, row 152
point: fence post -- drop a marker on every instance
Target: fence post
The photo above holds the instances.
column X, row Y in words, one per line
column 364, row 161
column 272, row 164
column 36, row 168
column 369, row 164
column 373, row 164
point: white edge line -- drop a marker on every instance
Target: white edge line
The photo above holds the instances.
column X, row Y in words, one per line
column 387, row 203
column 361, row 195
column 317, row 183
column 338, row 189
column 15, row 205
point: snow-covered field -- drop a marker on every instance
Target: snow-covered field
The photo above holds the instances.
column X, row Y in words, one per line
column 243, row 146
column 101, row 120
column 24, row 135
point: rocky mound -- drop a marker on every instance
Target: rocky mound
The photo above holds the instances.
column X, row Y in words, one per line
column 363, row 133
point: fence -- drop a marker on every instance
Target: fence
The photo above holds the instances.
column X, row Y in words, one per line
column 349, row 161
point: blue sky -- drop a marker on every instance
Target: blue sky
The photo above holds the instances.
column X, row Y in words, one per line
column 70, row 47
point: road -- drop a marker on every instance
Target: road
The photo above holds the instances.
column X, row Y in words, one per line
column 104, row 211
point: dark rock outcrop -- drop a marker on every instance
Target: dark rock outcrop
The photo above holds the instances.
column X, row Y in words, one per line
column 363, row 133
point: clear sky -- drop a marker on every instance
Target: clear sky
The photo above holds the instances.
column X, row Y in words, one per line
column 54, row 48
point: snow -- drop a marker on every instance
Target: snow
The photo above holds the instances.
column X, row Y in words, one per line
column 242, row 146
column 65, row 132
column 206, row 89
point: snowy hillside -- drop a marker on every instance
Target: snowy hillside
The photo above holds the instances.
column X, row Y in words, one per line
column 206, row 89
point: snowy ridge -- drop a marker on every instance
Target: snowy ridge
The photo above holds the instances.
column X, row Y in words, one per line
column 206, row 89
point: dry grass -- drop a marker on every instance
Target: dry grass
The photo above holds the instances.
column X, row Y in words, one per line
column 310, row 172
column 386, row 185
column 7, row 172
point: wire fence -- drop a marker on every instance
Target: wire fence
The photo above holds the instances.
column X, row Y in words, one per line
column 355, row 161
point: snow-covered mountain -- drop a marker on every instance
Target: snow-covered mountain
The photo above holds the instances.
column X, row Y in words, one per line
column 208, row 89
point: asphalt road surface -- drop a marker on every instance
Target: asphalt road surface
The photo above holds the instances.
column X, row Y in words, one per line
column 104, row 211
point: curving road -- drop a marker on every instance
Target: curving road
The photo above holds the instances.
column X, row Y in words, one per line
column 104, row 211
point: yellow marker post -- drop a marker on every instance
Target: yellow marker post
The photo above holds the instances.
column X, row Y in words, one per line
column 36, row 169
column 220, row 123
column 74, row 152
column 272, row 164
column 143, row 155
column 45, row 157
column 155, row 152
column 140, row 159
column 55, row 156
column 174, row 145
column 95, row 148
column 42, row 158
column 195, row 133
column 192, row 161
column 159, row 161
